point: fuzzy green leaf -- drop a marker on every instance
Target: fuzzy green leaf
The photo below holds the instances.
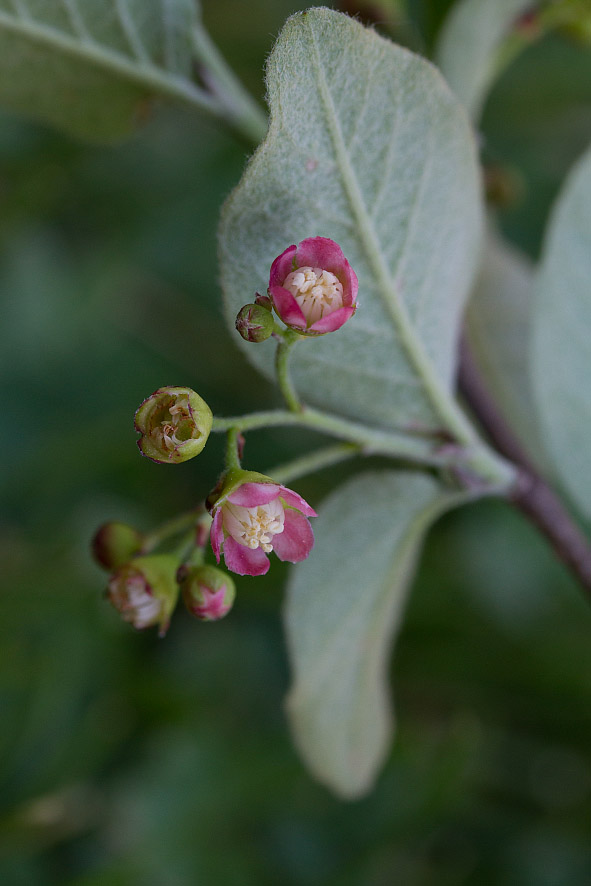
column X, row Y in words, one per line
column 469, row 49
column 561, row 363
column 344, row 606
column 367, row 146
column 89, row 66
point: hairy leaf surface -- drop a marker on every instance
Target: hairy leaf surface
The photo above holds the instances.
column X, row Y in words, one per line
column 344, row 606
column 88, row 66
column 367, row 146
column 561, row 362
column 468, row 51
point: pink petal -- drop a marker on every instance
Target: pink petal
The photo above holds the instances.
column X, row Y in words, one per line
column 292, row 500
column 217, row 534
column 213, row 606
column 282, row 266
column 296, row 540
column 320, row 252
column 287, row 307
column 350, row 285
column 251, row 495
column 242, row 560
column 332, row 321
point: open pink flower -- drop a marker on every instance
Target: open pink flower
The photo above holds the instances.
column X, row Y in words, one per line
column 251, row 519
column 313, row 287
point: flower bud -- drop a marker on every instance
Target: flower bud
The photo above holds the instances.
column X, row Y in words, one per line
column 313, row 287
column 115, row 544
column 174, row 424
column 264, row 301
column 208, row 592
column 255, row 323
column 252, row 516
column 145, row 591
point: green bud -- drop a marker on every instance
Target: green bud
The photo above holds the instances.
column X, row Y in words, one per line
column 145, row 591
column 255, row 323
column 114, row 544
column 208, row 592
column 174, row 424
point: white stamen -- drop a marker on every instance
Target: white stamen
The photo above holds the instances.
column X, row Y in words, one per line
column 180, row 414
column 254, row 527
column 317, row 292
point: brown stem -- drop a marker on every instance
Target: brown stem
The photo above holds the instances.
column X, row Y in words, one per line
column 531, row 494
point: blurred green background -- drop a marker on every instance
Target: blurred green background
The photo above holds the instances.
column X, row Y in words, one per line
column 132, row 761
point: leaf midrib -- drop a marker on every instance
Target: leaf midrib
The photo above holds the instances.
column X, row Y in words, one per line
column 440, row 399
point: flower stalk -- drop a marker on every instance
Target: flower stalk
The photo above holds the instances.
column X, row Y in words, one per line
column 287, row 340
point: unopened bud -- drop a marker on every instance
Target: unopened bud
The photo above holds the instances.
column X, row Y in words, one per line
column 208, row 592
column 145, row 591
column 174, row 424
column 114, row 544
column 264, row 301
column 255, row 323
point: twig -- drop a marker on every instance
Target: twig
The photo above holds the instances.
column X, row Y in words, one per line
column 531, row 494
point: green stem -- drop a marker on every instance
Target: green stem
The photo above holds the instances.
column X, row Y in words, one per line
column 475, row 462
column 371, row 441
column 186, row 546
column 315, row 461
column 170, row 528
column 236, row 103
column 195, row 557
column 286, row 343
column 232, row 457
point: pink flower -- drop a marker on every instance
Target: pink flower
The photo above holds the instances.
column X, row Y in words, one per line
column 251, row 518
column 145, row 590
column 313, row 287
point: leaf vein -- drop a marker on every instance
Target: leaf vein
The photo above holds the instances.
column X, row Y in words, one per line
column 149, row 77
column 131, row 33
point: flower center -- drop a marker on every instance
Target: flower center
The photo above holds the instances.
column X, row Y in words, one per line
column 254, row 527
column 317, row 292
column 178, row 426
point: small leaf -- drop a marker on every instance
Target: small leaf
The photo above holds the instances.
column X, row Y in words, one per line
column 344, row 605
column 561, row 359
column 88, row 66
column 366, row 146
column 499, row 329
column 468, row 51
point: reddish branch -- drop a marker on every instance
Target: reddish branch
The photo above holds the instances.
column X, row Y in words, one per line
column 531, row 494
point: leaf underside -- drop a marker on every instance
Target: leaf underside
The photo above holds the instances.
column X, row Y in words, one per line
column 344, row 606
column 88, row 66
column 499, row 330
column 468, row 47
column 366, row 146
column 561, row 358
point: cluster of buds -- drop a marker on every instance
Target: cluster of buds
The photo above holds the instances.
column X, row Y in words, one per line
column 144, row 588
column 312, row 288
